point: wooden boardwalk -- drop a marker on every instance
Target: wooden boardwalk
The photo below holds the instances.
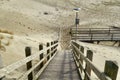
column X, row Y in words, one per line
column 95, row 34
column 62, row 67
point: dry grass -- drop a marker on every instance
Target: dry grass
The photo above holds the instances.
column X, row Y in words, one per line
column 11, row 37
column 2, row 47
column 1, row 37
column 6, row 31
column 8, row 43
column 4, row 39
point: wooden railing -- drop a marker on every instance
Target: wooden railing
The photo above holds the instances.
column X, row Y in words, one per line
column 33, row 72
column 110, row 70
column 95, row 34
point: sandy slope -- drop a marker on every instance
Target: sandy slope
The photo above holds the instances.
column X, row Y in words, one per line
column 30, row 26
column 28, row 20
column 23, row 20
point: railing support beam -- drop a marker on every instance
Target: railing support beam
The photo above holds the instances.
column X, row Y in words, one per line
column 88, row 69
column 29, row 64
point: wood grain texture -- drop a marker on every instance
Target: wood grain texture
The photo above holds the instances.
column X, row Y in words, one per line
column 62, row 67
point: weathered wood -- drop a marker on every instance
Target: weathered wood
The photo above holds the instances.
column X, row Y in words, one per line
column 112, row 37
column 52, row 43
column 10, row 68
column 23, row 77
column 42, row 69
column 80, row 65
column 48, row 44
column 99, row 73
column 48, row 51
column 52, row 49
column 61, row 67
column 29, row 64
column 80, row 59
column 41, row 57
column 95, row 34
column 111, row 69
column 87, row 68
column 40, row 47
column 82, row 49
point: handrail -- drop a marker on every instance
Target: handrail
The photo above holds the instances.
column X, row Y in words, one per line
column 95, row 28
column 23, row 77
column 88, row 34
column 79, row 57
column 10, row 68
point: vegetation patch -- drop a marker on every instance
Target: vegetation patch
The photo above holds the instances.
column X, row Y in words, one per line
column 6, row 31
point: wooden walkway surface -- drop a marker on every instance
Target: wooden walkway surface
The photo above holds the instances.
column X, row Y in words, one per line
column 62, row 67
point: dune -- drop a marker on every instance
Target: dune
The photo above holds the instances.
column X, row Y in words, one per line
column 33, row 22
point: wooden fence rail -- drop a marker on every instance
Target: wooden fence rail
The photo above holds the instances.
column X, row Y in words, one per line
column 95, row 34
column 44, row 60
column 110, row 70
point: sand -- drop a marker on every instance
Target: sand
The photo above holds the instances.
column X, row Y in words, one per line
column 34, row 22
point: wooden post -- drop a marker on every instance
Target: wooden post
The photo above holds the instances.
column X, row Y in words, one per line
column 98, row 42
column 89, row 31
column 29, row 64
column 40, row 47
column 109, row 32
column 48, row 44
column 111, row 69
column 51, row 49
column 82, row 49
column 77, row 47
column 51, row 45
column 112, row 37
column 48, row 51
column 87, row 68
column 54, row 42
column 91, row 37
column 119, row 44
column 41, row 55
column 80, row 65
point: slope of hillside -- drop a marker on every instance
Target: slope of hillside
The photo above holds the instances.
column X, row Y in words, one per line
column 35, row 22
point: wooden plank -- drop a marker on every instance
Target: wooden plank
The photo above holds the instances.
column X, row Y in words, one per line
column 40, row 72
column 6, row 70
column 77, row 64
column 97, row 39
column 23, row 77
column 93, row 31
column 80, row 65
column 62, row 67
column 93, row 67
column 87, row 68
column 82, row 50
